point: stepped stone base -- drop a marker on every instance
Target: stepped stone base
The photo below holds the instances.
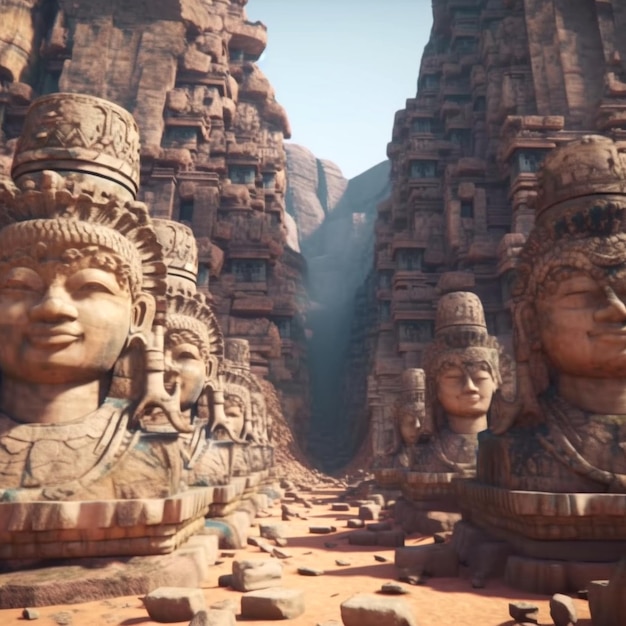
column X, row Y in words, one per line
column 558, row 542
column 67, row 529
column 84, row 580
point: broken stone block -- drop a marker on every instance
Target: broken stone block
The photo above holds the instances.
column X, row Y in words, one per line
column 272, row 604
column 281, row 554
column 355, row 523
column 310, row 571
column 253, row 574
column 226, row 605
column 273, row 531
column 380, row 559
column 369, row 511
column 213, row 617
column 30, row 614
column 370, row 610
column 321, row 530
column 390, row 538
column 362, row 538
column 562, row 610
column 524, row 612
column 340, row 506
column 225, row 580
column 431, row 560
column 174, row 604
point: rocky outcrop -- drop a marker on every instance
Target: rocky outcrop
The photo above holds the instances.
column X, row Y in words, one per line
column 314, row 189
column 335, row 219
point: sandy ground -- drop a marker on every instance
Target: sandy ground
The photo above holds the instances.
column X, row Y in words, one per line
column 442, row 602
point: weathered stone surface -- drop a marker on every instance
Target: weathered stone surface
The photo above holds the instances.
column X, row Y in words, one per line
column 371, row 610
column 369, row 511
column 393, row 589
column 310, row 571
column 355, row 523
column 272, row 604
column 174, row 604
column 322, row 530
column 273, row 531
column 562, row 610
column 213, row 617
column 253, row 574
column 524, row 612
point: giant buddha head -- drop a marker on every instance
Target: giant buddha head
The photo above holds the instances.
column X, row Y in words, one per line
column 81, row 274
column 569, row 298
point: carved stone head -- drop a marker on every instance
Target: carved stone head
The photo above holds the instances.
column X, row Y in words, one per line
column 569, row 298
column 461, row 365
column 411, row 409
column 194, row 345
column 81, row 274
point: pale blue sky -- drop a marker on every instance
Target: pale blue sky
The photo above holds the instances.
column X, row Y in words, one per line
column 341, row 69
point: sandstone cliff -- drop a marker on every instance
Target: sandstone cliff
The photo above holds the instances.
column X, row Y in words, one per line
column 336, row 220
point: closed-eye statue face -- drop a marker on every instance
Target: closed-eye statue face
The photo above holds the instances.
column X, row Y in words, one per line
column 465, row 390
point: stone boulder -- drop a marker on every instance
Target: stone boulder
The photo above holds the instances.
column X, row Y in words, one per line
column 370, row 610
column 253, row 574
column 271, row 604
column 174, row 604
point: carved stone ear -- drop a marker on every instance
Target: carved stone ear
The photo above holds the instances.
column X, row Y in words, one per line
column 144, row 310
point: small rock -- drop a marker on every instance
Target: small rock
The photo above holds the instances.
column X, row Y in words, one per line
column 281, row 554
column 342, row 563
column 30, row 614
column 310, row 571
column 340, row 506
column 225, row 580
column 524, row 612
column 281, row 542
column 330, row 545
column 380, row 558
column 562, row 610
column 272, row 604
column 228, row 554
column 174, row 604
column 321, row 530
column 355, row 523
column 392, row 589
column 411, row 579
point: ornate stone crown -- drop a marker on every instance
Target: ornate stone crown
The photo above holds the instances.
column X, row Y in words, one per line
column 82, row 134
column 413, row 379
column 458, row 310
column 588, row 166
column 180, row 253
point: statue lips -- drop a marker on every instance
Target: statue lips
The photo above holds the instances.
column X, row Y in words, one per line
column 53, row 337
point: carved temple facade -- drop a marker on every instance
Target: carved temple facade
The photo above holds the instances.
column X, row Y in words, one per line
column 212, row 150
column 501, row 83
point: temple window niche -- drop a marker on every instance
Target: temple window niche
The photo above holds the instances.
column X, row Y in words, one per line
column 422, row 125
column 249, row 271
column 527, row 161
column 242, row 174
column 423, row 169
column 269, row 180
column 409, row 259
column 415, row 331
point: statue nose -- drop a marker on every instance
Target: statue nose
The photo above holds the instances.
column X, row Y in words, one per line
column 54, row 306
column 614, row 309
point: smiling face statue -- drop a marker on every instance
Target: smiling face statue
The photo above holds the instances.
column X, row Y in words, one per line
column 65, row 312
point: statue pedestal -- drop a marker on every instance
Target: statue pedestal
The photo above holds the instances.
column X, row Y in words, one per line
column 389, row 477
column 82, row 580
column 559, row 541
column 70, row 529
